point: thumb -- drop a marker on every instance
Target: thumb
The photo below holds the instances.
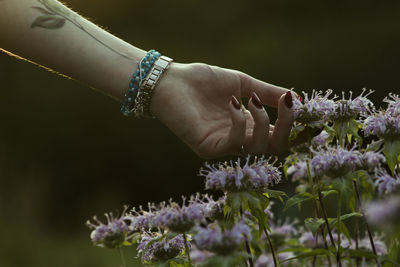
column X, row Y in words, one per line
column 283, row 125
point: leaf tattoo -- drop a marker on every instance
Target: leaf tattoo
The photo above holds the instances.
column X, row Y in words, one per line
column 48, row 22
column 55, row 15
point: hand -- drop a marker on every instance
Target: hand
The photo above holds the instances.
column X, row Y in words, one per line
column 197, row 102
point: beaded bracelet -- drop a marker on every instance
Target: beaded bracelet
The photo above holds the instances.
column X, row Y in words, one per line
column 141, row 108
column 134, row 85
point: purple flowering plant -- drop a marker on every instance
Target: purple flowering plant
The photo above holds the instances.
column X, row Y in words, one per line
column 346, row 176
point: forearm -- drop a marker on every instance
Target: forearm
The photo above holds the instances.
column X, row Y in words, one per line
column 53, row 36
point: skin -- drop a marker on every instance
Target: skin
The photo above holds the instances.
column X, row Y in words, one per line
column 192, row 100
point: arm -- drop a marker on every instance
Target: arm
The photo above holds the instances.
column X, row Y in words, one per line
column 198, row 102
column 50, row 34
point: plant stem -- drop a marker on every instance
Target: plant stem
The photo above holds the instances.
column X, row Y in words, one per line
column 247, row 245
column 371, row 240
column 121, row 253
column 326, row 221
column 356, row 238
column 271, row 247
column 187, row 249
column 316, row 215
column 339, row 211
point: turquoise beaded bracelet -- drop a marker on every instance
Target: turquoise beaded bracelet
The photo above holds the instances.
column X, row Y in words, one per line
column 131, row 94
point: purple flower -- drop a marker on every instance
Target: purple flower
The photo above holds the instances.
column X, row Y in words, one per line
column 385, row 183
column 308, row 240
column 284, row 229
column 199, row 256
column 385, row 124
column 212, row 238
column 161, row 249
column 213, row 210
column 380, row 246
column 321, row 139
column 110, row 235
column 335, row 161
column 316, row 109
column 372, row 160
column 255, row 176
column 393, row 105
column 361, row 103
column 178, row 218
column 268, row 210
column 351, row 108
column 266, row 260
column 298, row 171
column 143, row 220
column 385, row 212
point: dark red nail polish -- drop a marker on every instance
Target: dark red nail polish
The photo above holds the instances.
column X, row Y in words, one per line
column 288, row 99
column 235, row 103
column 300, row 98
column 256, row 100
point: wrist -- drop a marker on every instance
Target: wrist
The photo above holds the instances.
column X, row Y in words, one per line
column 167, row 90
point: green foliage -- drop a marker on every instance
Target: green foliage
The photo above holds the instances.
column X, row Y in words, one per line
column 391, row 150
column 297, row 199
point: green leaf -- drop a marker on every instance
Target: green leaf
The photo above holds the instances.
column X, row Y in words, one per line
column 48, row 22
column 314, row 252
column 314, row 224
column 274, row 194
column 391, row 150
column 296, row 249
column 233, row 200
column 257, row 209
column 361, row 254
column 375, row 145
column 295, row 131
column 297, row 199
column 344, row 230
column 328, row 192
column 333, row 221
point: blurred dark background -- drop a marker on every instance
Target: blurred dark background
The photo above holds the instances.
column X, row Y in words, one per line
column 66, row 152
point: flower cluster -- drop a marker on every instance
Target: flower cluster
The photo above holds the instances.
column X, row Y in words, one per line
column 385, row 124
column 256, row 176
column 334, row 162
column 385, row 183
column 179, row 218
column 240, row 228
column 350, row 108
column 384, row 213
column 315, row 110
column 158, row 249
column 112, row 234
column 213, row 238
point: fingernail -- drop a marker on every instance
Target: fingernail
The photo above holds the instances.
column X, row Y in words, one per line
column 288, row 99
column 256, row 101
column 300, row 98
column 235, row 103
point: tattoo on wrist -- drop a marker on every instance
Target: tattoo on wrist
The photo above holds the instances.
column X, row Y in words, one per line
column 55, row 15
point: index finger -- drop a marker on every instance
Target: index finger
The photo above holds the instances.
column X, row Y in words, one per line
column 268, row 93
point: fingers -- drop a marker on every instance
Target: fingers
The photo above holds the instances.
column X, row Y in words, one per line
column 232, row 143
column 257, row 142
column 279, row 139
column 269, row 94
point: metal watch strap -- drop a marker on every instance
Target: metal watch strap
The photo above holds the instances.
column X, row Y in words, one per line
column 142, row 102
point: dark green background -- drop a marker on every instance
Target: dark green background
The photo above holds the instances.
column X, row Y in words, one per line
column 66, row 152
